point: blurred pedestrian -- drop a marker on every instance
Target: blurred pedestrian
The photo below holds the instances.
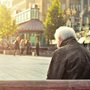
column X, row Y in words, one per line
column 16, row 46
column 28, row 47
column 22, row 46
column 37, row 48
column 71, row 60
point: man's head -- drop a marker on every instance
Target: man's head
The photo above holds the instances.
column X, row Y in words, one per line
column 63, row 33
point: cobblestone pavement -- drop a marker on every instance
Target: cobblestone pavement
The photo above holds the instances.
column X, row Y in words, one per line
column 23, row 67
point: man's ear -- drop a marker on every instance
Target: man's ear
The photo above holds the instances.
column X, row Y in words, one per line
column 60, row 39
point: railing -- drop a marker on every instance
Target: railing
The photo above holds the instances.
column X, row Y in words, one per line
column 42, row 52
column 45, row 85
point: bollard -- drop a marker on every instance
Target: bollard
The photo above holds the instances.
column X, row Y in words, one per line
column 33, row 53
column 4, row 52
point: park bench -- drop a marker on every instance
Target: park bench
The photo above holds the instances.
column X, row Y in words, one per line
column 46, row 85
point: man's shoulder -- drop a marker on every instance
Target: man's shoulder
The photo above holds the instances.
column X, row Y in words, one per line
column 67, row 49
column 60, row 51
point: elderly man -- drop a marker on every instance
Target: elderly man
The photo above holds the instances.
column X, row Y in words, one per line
column 71, row 60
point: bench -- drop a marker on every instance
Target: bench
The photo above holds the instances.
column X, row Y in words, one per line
column 45, row 85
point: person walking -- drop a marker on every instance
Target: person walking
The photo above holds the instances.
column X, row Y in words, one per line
column 37, row 48
column 22, row 46
column 71, row 60
column 28, row 47
column 16, row 46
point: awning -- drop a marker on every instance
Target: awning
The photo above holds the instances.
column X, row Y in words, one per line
column 87, row 40
column 81, row 40
column 33, row 25
column 84, row 40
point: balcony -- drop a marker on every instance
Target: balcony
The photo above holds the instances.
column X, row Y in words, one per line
column 24, row 16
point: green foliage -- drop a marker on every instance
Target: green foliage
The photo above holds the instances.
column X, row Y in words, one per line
column 54, row 19
column 7, row 25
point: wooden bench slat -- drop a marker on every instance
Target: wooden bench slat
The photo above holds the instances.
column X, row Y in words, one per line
column 46, row 85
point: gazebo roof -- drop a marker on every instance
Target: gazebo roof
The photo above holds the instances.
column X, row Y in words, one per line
column 33, row 25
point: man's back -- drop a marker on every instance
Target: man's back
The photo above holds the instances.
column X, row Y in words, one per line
column 71, row 61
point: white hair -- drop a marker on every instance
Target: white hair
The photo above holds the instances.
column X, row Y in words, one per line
column 65, row 32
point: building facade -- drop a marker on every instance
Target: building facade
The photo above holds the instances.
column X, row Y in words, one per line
column 79, row 12
column 7, row 3
column 22, row 5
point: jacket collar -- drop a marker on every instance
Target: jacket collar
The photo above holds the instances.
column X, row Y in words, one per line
column 68, row 41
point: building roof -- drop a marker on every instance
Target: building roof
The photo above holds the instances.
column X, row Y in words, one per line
column 33, row 25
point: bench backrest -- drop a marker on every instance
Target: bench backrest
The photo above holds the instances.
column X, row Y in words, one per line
column 46, row 85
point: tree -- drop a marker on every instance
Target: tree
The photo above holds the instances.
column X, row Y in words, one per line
column 54, row 19
column 7, row 24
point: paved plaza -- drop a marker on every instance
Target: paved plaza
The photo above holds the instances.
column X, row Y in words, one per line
column 23, row 67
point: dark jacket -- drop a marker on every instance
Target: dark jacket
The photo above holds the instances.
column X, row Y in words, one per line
column 71, row 61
